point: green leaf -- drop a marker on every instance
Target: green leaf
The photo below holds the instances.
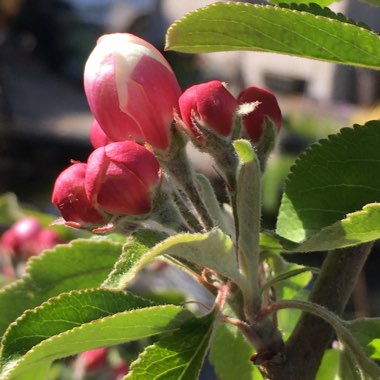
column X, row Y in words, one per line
column 242, row 26
column 136, row 247
column 230, row 351
column 176, row 356
column 80, row 264
column 213, row 250
column 328, row 370
column 79, row 321
column 333, row 178
column 367, row 333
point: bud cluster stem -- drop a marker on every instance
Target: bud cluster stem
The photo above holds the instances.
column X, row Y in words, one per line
column 181, row 172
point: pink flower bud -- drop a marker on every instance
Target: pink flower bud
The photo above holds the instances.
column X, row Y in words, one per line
column 97, row 136
column 18, row 240
column 121, row 177
column 70, row 198
column 212, row 103
column 254, row 122
column 131, row 90
column 94, row 359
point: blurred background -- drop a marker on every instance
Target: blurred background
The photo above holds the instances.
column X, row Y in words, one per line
column 45, row 119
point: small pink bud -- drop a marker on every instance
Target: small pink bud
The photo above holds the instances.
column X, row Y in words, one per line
column 254, row 121
column 212, row 103
column 18, row 240
column 97, row 136
column 121, row 178
column 70, row 198
column 131, row 90
column 94, row 359
column 45, row 239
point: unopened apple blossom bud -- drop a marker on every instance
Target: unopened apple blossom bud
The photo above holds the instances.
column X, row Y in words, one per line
column 97, row 136
column 18, row 239
column 94, row 359
column 69, row 196
column 121, row 178
column 267, row 107
column 212, row 104
column 131, row 90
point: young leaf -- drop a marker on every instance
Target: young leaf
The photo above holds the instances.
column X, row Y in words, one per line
column 79, row 321
column 80, row 264
column 177, row 355
column 243, row 26
column 331, row 179
column 213, row 250
column 135, row 248
column 228, row 351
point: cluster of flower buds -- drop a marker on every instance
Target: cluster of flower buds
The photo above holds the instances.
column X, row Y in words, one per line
column 118, row 179
column 27, row 237
column 133, row 94
column 210, row 105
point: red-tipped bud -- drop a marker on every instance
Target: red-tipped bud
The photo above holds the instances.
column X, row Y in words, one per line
column 18, row 240
column 97, row 136
column 254, row 121
column 94, row 359
column 70, row 198
column 131, row 90
column 212, row 103
column 121, row 178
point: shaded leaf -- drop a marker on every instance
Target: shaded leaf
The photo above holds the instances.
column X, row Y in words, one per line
column 367, row 333
column 230, row 351
column 176, row 356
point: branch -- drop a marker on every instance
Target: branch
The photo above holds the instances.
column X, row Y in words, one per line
column 304, row 350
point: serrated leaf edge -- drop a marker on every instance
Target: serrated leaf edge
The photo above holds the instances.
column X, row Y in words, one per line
column 8, row 367
column 310, row 150
column 48, row 302
column 260, row 6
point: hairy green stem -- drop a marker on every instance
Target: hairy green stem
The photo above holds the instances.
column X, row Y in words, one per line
column 181, row 172
column 186, row 213
column 211, row 201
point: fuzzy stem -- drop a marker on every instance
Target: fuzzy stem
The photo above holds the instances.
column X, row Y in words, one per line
column 180, row 170
column 303, row 352
column 186, row 213
column 212, row 202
